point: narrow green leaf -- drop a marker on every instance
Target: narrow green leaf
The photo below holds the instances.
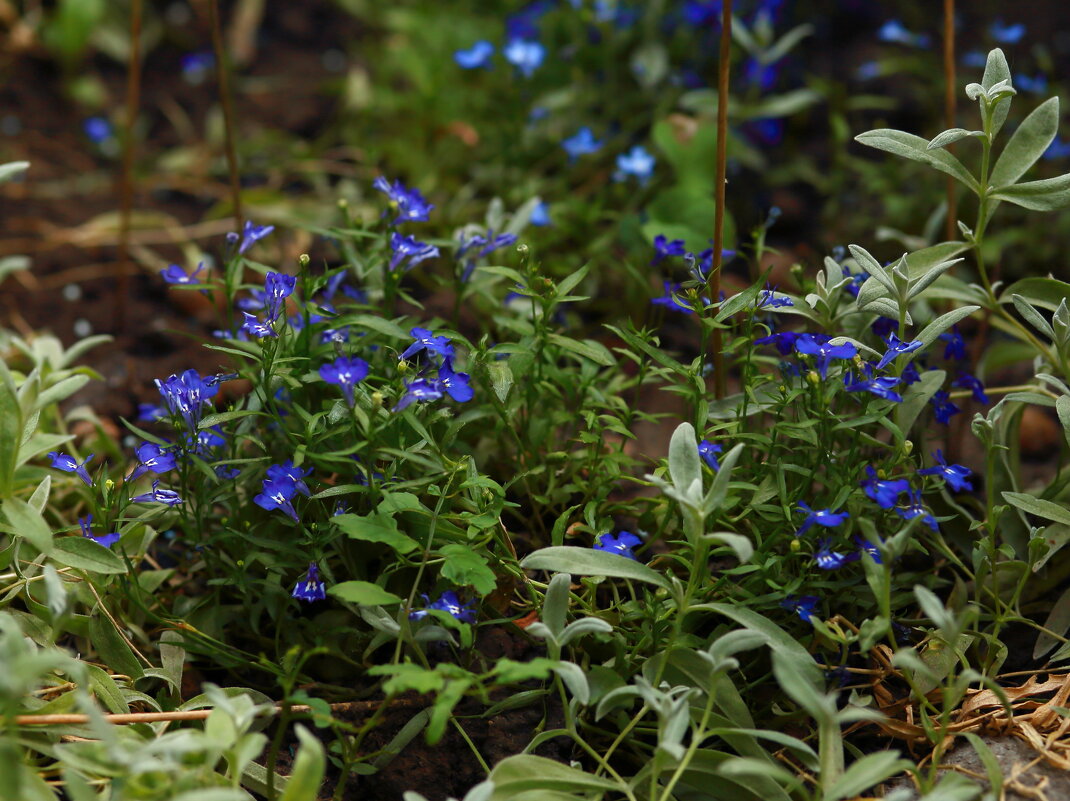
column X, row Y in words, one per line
column 526, row 772
column 1032, row 316
column 363, row 593
column 113, row 649
column 85, row 554
column 10, row 429
column 915, row 148
column 997, row 70
column 1044, row 293
column 1057, row 622
column 942, row 323
column 306, row 776
column 950, row 136
column 1039, row 507
column 224, row 417
column 1047, row 194
column 685, row 468
column 385, row 327
column 869, row 771
column 1027, row 144
column 27, row 522
column 587, row 348
column 589, row 562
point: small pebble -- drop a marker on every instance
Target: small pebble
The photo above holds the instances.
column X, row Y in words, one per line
column 72, row 292
column 82, row 328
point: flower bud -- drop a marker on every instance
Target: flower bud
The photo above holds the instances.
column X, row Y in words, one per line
column 377, row 400
column 403, row 367
column 795, row 545
column 109, row 485
column 343, row 203
column 813, row 378
column 304, row 259
column 522, row 249
column 908, row 447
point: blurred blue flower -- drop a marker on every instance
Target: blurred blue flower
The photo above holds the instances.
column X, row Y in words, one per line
column 708, row 451
column 150, row 413
column 409, row 203
column 98, row 129
column 943, row 407
column 176, row 275
column 884, row 492
column 254, row 327
column 865, row 546
column 426, row 340
column 526, row 55
column 824, row 352
column 251, row 234
column 107, row 540
column 621, row 545
column 541, row 214
column 1036, row 85
column 972, row 383
column 345, row 372
column 802, row 606
column 487, row 244
column 151, row 457
column 763, row 76
column 478, row 55
column 68, row 464
column 310, row 588
column 1007, row 34
column 165, row 496
column 915, row 509
column 407, row 247
column 857, row 279
column 828, row 559
column 956, row 346
column 449, row 603
column 700, row 12
column 1058, row 149
column 783, row 340
column 868, row 70
column 974, row 58
column 910, row 374
column 636, row 163
column 663, row 248
column 894, row 31
column 768, row 299
column 580, row 144
column 227, row 472
column 822, row 517
column 956, row 475
column 670, row 300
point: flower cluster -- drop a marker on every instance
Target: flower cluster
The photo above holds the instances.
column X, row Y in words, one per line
column 446, row 382
column 283, row 482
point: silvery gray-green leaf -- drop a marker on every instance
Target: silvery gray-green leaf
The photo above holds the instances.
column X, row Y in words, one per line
column 1028, row 143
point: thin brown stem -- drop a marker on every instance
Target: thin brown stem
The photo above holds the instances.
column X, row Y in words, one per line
column 950, row 227
column 222, row 75
column 714, row 283
column 126, row 179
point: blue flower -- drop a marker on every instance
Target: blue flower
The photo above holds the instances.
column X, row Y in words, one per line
column 407, row 247
column 287, row 471
column 767, row 299
column 409, row 203
column 828, row 559
column 418, row 391
column 974, row 58
column 708, row 451
column 277, row 493
column 186, row 395
column 857, row 279
column 150, row 413
column 68, row 464
column 540, row 216
column 637, row 163
column 755, row 73
column 277, row 287
column 310, row 588
column 227, row 472
column 881, row 387
column 943, row 406
column 478, row 55
column 895, row 347
column 97, row 129
column 972, row 383
column 885, row 493
column 195, row 66
column 426, row 340
column 825, row 352
column 1007, row 34
column 486, row 244
column 1058, row 149
column 449, row 603
column 956, row 346
column 784, row 341
column 165, row 496
column 894, row 31
column 107, row 540
column 580, row 144
column 910, row 374
column 176, row 275
column 621, row 545
column 205, row 440
column 527, row 56
column 456, row 385
column 346, row 372
column 699, row 12
column 1037, row 85
column 915, row 509
column 664, row 248
column 802, row 606
column 151, row 457
column 251, row 234
column 956, row 475
column 822, row 517
column 865, row 546
column 254, row 327
column 670, row 301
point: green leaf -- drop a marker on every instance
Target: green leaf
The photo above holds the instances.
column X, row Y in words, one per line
column 1047, row 194
column 942, row 323
column 915, row 148
column 869, row 771
column 1039, row 507
column 921, row 261
column 993, row 770
column 501, row 379
column 463, row 567
column 587, row 348
column 951, row 136
column 385, row 327
column 27, row 522
column 1045, row 293
column 308, row 768
column 917, row 395
column 685, row 467
column 363, row 593
column 637, row 343
column 997, row 70
column 1033, row 317
column 1057, row 622
column 1027, row 144
column 85, row 554
column 523, row 773
column 10, row 430
column 113, row 649
column 376, row 527
column 589, row 562
column 740, row 545
column 223, row 417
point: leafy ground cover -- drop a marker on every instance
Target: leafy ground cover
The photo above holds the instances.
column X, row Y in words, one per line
column 512, row 453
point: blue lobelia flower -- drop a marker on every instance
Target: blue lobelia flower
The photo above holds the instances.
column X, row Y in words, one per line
column 409, row 203
column 885, row 493
column 254, row 327
column 670, row 300
column 277, row 493
column 97, row 129
column 1007, row 34
column 107, row 540
column 824, row 351
column 456, row 385
column 287, row 471
column 165, row 496
column 956, row 346
column 68, row 464
column 910, row 374
column 540, row 215
column 822, row 517
column 1058, row 149
column 486, row 244
column 346, row 372
column 881, row 387
column 407, row 247
column 943, row 407
column 784, row 341
column 1037, row 84
column 621, row 545
column 251, row 234
column 768, row 299
column 855, row 284
column 449, row 603
column 956, row 475
column 708, row 451
column 186, row 395
column 802, row 606
column 526, row 55
column 580, row 144
column 478, row 55
column 150, row 413
column 828, row 559
column 419, row 391
column 895, row 347
column 426, row 340
column 311, row 587
column 915, row 509
column 205, row 440
column 865, row 546
column 972, row 383
column 894, row 31
column 277, row 287
column 176, row 275
column 636, row 163
column 151, row 457
column 226, row 472
column 663, row 248
column 195, row 66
